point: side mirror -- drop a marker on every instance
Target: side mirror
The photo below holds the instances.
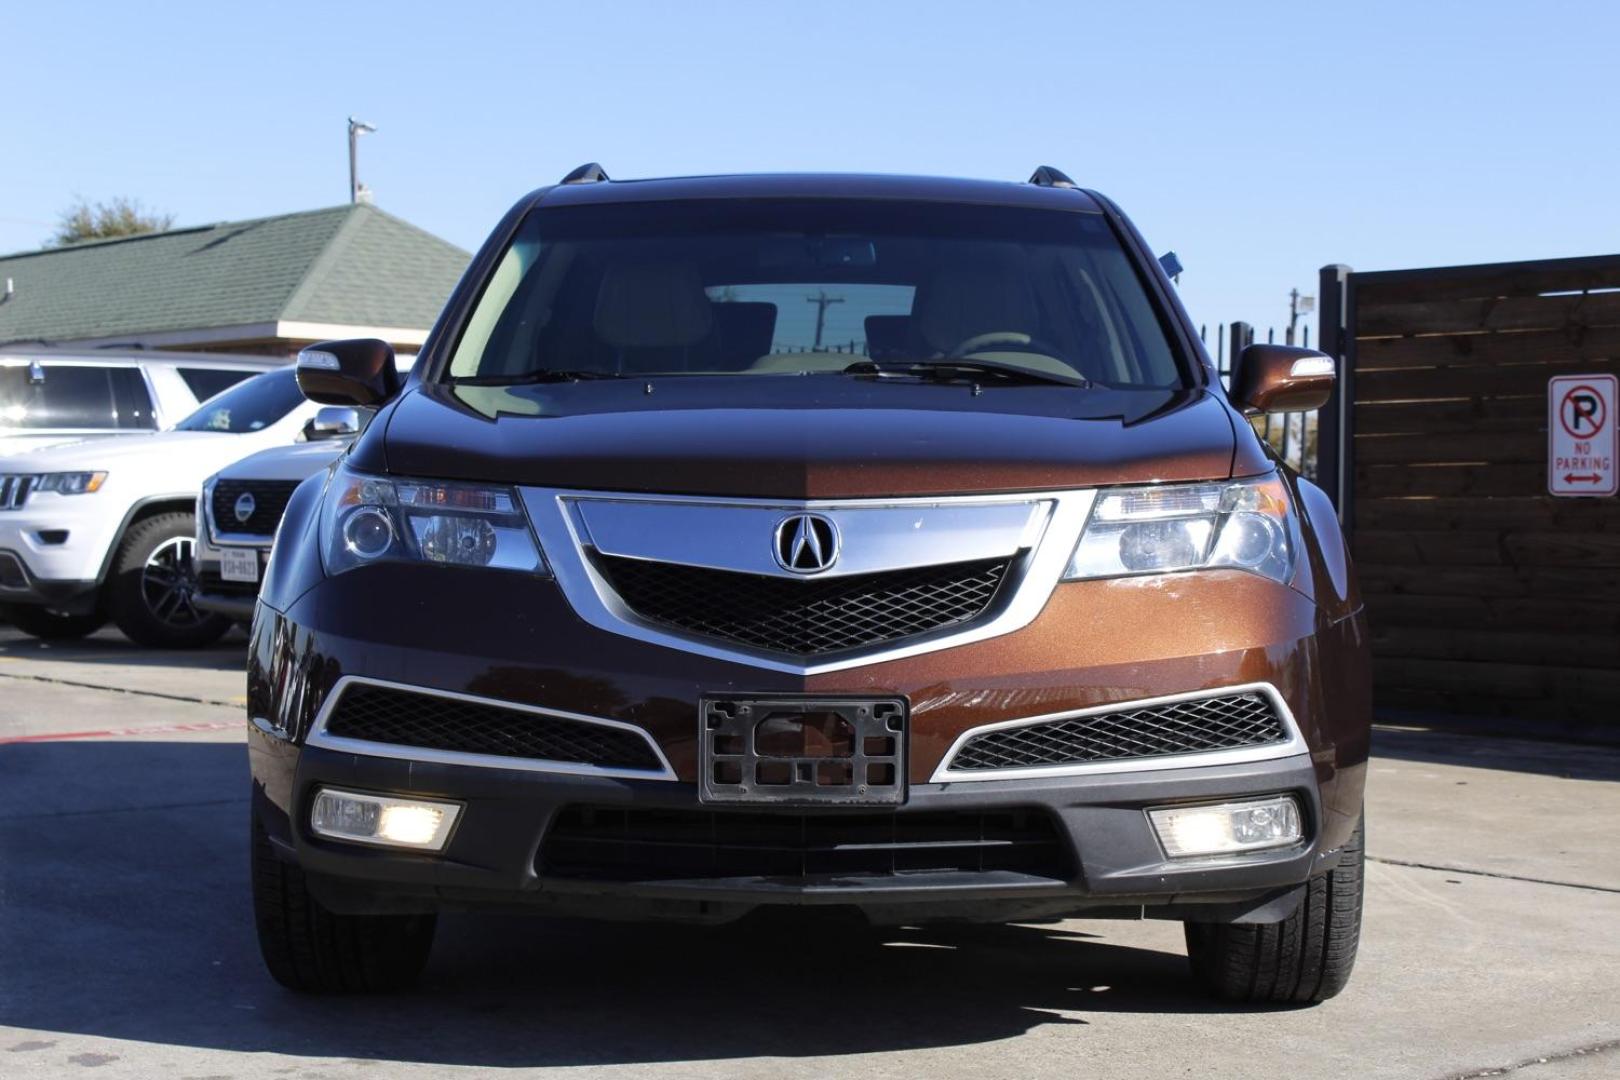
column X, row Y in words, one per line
column 358, row 371
column 1281, row 378
column 333, row 422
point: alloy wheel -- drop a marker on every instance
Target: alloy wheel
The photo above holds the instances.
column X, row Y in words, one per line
column 169, row 583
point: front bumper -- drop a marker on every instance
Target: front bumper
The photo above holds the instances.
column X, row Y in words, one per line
column 497, row 855
column 232, row 599
column 52, row 551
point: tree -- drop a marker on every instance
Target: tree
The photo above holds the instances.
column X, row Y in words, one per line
column 106, row 220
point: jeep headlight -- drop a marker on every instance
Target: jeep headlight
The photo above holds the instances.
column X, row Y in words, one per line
column 70, row 483
column 1238, row 524
column 369, row 519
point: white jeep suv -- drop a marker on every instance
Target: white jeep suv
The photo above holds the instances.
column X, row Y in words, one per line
column 51, row 395
column 102, row 530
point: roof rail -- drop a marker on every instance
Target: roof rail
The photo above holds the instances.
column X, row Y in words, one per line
column 589, row 173
column 1046, row 176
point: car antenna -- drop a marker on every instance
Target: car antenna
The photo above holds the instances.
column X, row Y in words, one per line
column 589, row 173
column 1047, row 176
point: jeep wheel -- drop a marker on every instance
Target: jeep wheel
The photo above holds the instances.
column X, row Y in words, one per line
column 48, row 625
column 152, row 589
column 1305, row 958
column 313, row 950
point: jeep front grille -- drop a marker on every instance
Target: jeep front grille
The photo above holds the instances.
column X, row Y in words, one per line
column 383, row 714
column 14, row 491
column 611, row 843
column 269, row 503
column 1227, row 722
column 805, row 616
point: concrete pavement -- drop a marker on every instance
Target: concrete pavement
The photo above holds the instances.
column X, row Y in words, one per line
column 1492, row 939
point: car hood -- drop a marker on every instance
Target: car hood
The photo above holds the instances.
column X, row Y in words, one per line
column 805, row 437
column 161, row 464
column 294, row 462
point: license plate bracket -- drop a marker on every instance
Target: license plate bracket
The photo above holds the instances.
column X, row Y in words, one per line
column 803, row 750
column 239, row 564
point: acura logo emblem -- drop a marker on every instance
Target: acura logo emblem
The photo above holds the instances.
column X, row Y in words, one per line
column 244, row 506
column 806, row 543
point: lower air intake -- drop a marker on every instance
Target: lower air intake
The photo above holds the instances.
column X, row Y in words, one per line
column 601, row 843
column 1228, row 722
column 385, row 714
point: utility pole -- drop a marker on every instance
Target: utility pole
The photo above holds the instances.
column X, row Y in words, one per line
column 358, row 192
column 1297, row 305
column 822, row 300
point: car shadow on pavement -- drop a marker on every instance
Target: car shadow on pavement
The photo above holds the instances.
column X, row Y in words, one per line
column 108, row 646
column 124, row 913
column 1572, row 761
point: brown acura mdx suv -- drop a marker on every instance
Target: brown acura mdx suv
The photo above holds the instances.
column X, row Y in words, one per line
column 879, row 542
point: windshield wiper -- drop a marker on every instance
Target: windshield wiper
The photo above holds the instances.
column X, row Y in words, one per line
column 547, row 375
column 960, row 370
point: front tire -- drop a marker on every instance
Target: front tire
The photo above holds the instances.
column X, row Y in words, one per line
column 48, row 625
column 151, row 591
column 1304, row 959
column 313, row 950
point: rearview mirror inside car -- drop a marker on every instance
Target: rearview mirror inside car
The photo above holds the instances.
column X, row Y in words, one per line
column 1281, row 378
column 356, row 371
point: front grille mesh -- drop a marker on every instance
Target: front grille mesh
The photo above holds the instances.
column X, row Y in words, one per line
column 269, row 503
column 605, row 843
column 806, row 616
column 403, row 717
column 1227, row 722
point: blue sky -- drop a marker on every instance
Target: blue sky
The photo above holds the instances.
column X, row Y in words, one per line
column 1259, row 141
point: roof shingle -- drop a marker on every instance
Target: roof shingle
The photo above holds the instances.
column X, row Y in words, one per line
column 351, row 265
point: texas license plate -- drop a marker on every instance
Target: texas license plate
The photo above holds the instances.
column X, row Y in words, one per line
column 239, row 564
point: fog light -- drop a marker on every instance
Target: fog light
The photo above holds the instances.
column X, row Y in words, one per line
column 1230, row 827
column 381, row 819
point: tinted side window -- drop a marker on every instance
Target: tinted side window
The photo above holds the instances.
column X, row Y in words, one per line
column 132, row 403
column 68, row 397
column 204, row 383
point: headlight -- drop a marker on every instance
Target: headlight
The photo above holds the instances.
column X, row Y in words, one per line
column 70, row 483
column 370, row 519
column 1241, row 524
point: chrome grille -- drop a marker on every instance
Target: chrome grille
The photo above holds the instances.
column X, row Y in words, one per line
column 805, row 616
column 384, row 714
column 1226, row 722
column 269, row 503
column 14, row 491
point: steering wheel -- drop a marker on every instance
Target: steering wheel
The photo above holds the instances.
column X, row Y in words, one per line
column 1010, row 340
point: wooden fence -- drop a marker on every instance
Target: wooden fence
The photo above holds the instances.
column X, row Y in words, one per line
column 1484, row 593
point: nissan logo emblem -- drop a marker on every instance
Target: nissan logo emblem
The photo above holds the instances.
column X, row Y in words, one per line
column 806, row 543
column 244, row 506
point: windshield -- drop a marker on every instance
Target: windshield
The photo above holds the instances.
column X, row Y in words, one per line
column 761, row 287
column 249, row 405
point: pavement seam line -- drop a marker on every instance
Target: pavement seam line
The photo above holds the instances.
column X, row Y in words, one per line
column 122, row 690
column 123, row 810
column 1606, row 1047
column 1491, row 874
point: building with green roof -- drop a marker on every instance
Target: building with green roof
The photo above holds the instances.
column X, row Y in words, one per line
column 266, row 286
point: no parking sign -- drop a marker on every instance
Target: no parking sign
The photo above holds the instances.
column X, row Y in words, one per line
column 1581, row 444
